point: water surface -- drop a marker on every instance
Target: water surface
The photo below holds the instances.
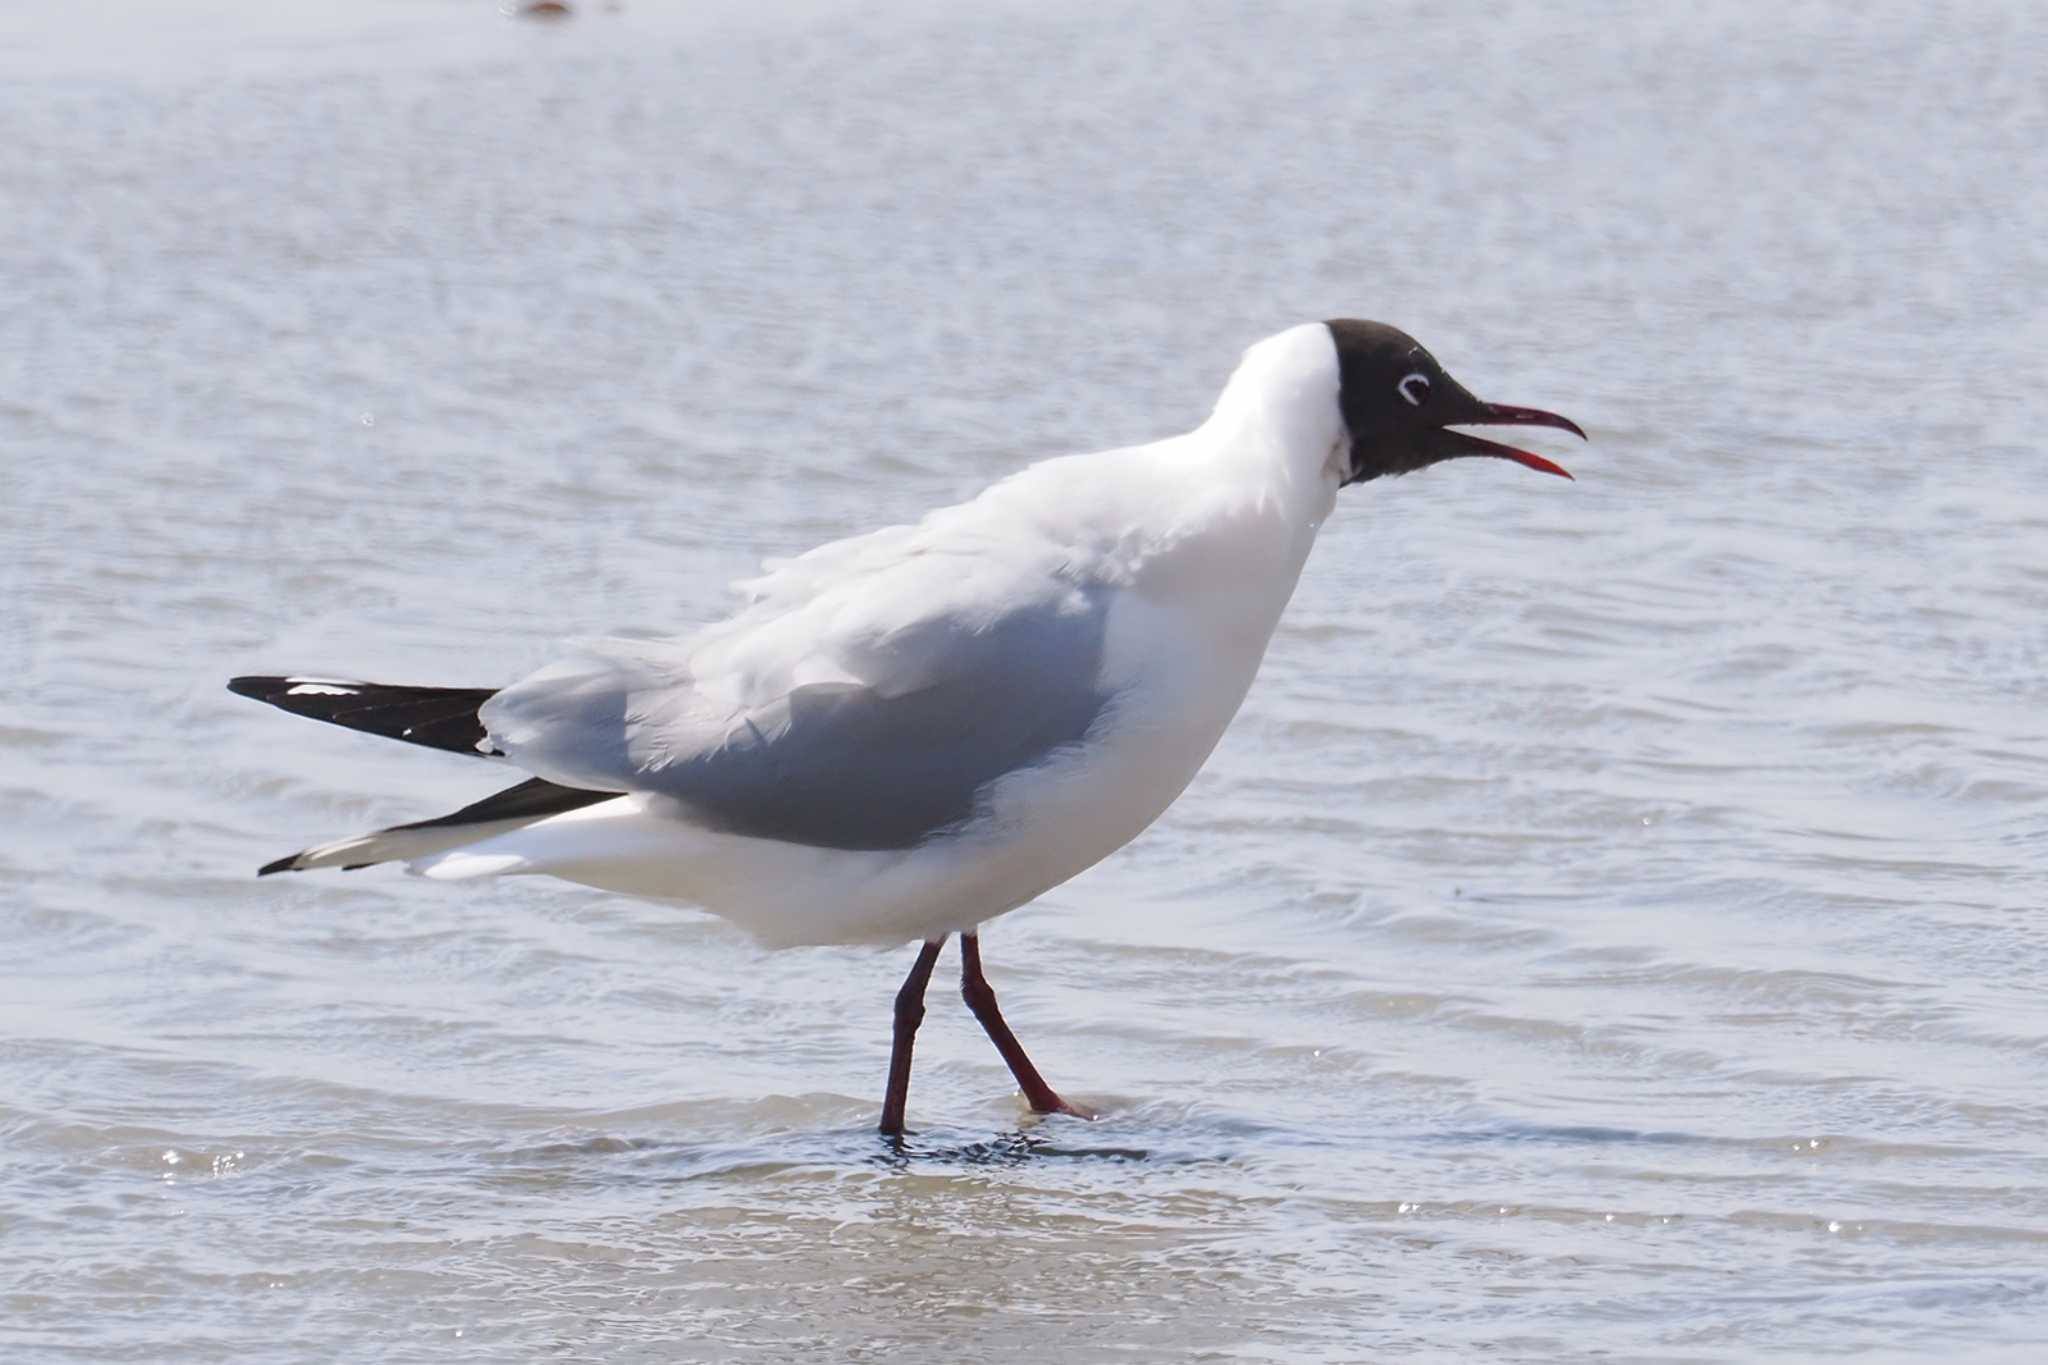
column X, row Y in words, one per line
column 1613, row 927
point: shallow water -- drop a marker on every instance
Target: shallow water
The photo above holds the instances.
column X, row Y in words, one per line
column 1613, row 927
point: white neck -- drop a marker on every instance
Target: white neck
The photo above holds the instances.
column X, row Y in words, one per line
column 1246, row 492
column 1277, row 430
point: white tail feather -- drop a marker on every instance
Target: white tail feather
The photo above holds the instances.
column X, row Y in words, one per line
column 463, row 864
column 396, row 845
column 617, row 845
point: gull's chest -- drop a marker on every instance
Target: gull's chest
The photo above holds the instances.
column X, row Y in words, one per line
column 1190, row 626
column 1175, row 673
column 1183, row 637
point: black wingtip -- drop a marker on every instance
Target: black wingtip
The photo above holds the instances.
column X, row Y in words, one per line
column 289, row 864
column 277, row 689
column 437, row 717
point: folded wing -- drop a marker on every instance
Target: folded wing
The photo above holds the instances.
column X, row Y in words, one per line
column 869, row 712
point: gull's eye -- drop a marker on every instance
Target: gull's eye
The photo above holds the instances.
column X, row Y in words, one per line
column 1414, row 388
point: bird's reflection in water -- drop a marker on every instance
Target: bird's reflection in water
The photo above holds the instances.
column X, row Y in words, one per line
column 1004, row 1149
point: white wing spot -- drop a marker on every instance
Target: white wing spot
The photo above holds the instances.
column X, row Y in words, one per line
column 313, row 689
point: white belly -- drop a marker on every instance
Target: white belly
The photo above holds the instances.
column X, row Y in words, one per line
column 1178, row 676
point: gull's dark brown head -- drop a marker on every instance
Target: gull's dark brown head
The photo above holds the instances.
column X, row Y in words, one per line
column 1400, row 406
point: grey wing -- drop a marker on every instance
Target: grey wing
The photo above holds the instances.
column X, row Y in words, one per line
column 834, row 765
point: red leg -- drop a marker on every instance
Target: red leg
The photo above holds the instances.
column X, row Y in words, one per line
column 909, row 1014
column 981, row 998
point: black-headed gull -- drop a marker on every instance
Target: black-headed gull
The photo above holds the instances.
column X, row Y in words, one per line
column 905, row 734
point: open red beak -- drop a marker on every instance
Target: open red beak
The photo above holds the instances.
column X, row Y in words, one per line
column 1500, row 414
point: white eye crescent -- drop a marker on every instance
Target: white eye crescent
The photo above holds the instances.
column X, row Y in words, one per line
column 1414, row 388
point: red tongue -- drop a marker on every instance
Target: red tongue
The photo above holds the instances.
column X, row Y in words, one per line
column 1479, row 445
